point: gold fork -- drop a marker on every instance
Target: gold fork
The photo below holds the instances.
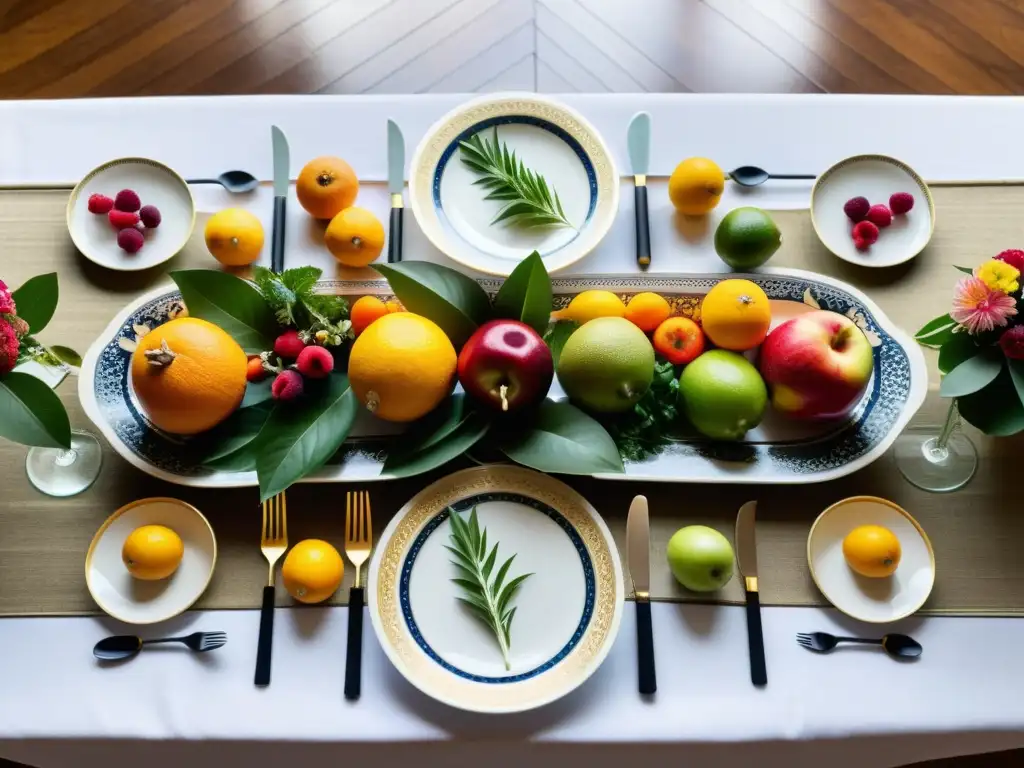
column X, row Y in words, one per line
column 358, row 539
column 273, row 543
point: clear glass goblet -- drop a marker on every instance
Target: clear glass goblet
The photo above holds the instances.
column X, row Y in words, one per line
column 937, row 460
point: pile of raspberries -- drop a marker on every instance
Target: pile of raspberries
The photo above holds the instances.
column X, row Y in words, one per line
column 128, row 216
column 868, row 219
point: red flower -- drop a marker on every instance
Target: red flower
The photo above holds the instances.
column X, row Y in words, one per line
column 1014, row 257
column 6, row 300
column 8, row 347
column 1012, row 342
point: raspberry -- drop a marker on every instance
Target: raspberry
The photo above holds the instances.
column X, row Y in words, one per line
column 123, row 219
column 100, row 203
column 150, row 216
column 860, row 244
column 288, row 345
column 856, row 208
column 131, row 240
column 866, row 231
column 880, row 215
column 287, row 386
column 901, row 202
column 127, row 200
column 315, row 362
column 254, row 370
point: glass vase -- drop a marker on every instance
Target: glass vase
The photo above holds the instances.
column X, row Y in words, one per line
column 939, row 460
column 65, row 471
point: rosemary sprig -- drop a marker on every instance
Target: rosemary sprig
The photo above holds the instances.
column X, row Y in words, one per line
column 486, row 599
column 530, row 202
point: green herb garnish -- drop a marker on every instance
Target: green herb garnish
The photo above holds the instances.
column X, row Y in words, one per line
column 645, row 430
column 487, row 600
column 530, row 202
column 292, row 297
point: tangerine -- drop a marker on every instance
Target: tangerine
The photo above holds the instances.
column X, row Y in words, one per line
column 365, row 311
column 647, row 311
column 325, row 186
column 735, row 314
column 679, row 340
column 355, row 237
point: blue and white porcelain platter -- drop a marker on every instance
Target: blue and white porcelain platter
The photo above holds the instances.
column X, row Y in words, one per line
column 778, row 451
column 567, row 611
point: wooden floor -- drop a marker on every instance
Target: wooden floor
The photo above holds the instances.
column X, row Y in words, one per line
column 74, row 48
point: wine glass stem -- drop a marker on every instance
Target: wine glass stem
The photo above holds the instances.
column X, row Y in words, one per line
column 66, row 458
column 947, row 428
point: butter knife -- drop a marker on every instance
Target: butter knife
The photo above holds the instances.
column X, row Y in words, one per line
column 281, row 183
column 638, row 550
column 746, row 556
column 396, row 181
column 638, row 139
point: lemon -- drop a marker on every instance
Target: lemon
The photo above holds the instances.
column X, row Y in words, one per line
column 591, row 305
column 746, row 238
column 312, row 571
column 234, row 236
column 696, row 186
column 152, row 552
column 606, row 365
column 355, row 237
column 872, row 550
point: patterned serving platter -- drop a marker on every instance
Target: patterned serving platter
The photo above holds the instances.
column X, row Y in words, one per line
column 778, row 451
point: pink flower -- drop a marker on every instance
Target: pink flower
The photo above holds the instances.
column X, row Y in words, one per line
column 8, row 347
column 1013, row 257
column 1012, row 342
column 6, row 300
column 978, row 308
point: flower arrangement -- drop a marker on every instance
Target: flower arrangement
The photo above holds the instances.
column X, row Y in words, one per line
column 981, row 345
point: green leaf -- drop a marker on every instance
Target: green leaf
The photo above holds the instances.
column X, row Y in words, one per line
column 67, row 355
column 936, row 332
column 500, row 578
column 557, row 334
column 301, row 280
column 510, row 590
column 447, row 432
column 257, row 392
column 36, row 301
column 526, row 294
column 564, row 439
column 965, row 270
column 229, row 302
column 972, row 374
column 454, row 301
column 1016, row 369
column 31, row 413
column 995, row 410
column 237, row 432
column 959, row 348
column 302, row 435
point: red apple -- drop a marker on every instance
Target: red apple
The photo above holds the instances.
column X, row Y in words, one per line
column 506, row 365
column 816, row 365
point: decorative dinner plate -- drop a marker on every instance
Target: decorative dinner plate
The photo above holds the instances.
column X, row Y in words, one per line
column 567, row 610
column 778, row 451
column 546, row 136
column 871, row 599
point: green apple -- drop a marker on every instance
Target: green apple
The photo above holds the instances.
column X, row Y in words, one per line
column 701, row 558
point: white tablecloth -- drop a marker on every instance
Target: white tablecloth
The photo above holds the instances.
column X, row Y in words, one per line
column 59, row 708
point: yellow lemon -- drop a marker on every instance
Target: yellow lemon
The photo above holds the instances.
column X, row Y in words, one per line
column 696, row 186
column 872, row 550
column 355, row 237
column 152, row 552
column 234, row 236
column 312, row 571
column 401, row 367
column 591, row 305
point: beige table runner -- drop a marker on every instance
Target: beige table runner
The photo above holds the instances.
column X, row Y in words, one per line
column 977, row 533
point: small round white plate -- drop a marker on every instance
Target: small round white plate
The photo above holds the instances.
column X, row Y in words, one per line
column 132, row 600
column 878, row 601
column 551, row 140
column 875, row 177
column 157, row 185
column 567, row 612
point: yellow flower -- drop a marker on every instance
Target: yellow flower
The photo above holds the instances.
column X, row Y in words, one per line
column 998, row 276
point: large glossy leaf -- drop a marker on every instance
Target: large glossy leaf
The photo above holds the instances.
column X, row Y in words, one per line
column 36, row 300
column 67, row 355
column 448, row 432
column 973, row 374
column 936, row 332
column 563, row 439
column 995, row 410
column 526, row 294
column 959, row 348
column 454, row 301
column 300, row 436
column 1016, row 369
column 257, row 392
column 557, row 334
column 31, row 413
column 229, row 302
column 236, row 433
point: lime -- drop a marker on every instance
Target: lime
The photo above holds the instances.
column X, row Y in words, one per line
column 606, row 365
column 746, row 238
column 722, row 394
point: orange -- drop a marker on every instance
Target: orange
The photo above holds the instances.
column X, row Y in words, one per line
column 234, row 236
column 647, row 311
column 152, row 552
column 735, row 315
column 872, row 550
column 188, row 375
column 312, row 571
column 365, row 311
column 696, row 186
column 679, row 340
column 355, row 237
column 401, row 367
column 325, row 186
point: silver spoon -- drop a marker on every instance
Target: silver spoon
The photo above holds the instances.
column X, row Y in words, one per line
column 752, row 176
column 233, row 181
column 121, row 647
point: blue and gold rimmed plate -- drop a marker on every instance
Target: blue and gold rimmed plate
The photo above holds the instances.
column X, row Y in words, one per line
column 549, row 139
column 567, row 611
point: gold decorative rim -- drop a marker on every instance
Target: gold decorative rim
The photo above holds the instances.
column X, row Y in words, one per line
column 922, row 185
column 110, row 520
column 440, row 135
column 77, row 191
column 428, row 675
column 910, row 518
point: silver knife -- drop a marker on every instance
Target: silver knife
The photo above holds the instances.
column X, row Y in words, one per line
column 638, row 140
column 282, row 180
column 396, row 182
column 638, row 551
column 746, row 556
